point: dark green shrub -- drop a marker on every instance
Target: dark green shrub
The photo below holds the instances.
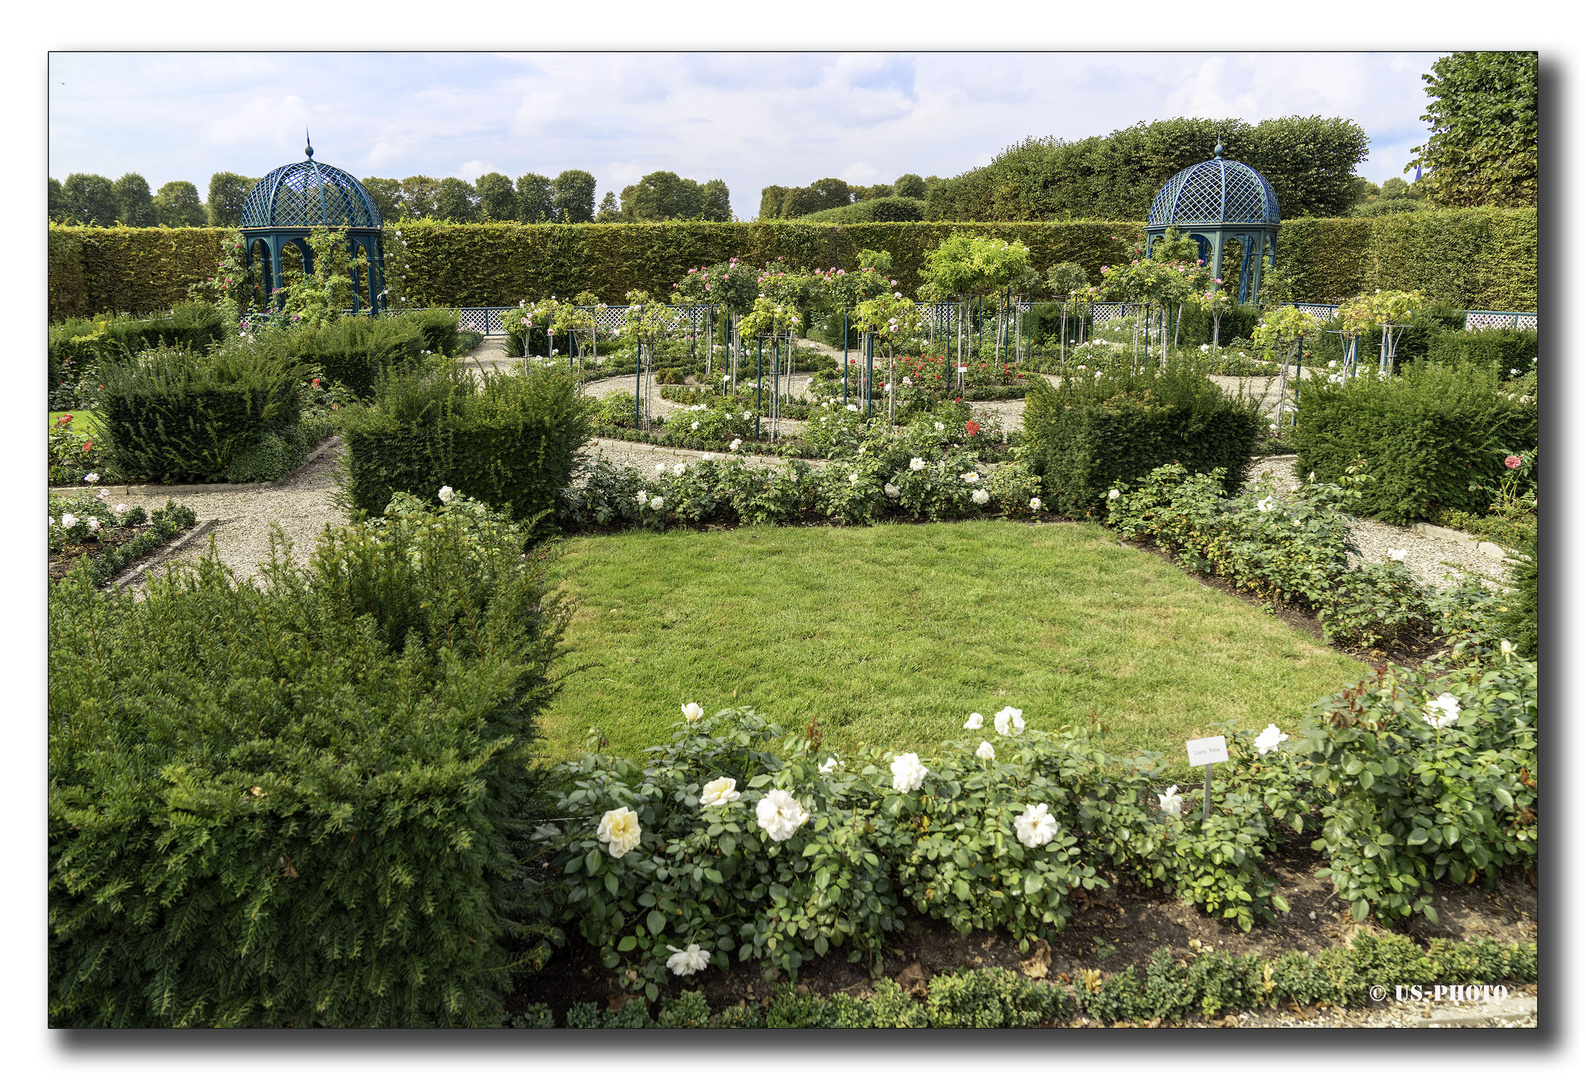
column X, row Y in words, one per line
column 1518, row 623
column 353, row 351
column 991, row 998
column 1118, row 425
column 172, row 415
column 439, row 327
column 1431, row 438
column 302, row 801
column 507, row 440
column 1502, row 350
column 77, row 347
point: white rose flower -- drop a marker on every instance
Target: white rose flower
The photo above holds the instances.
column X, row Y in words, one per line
column 916, row 464
column 735, row 444
column 1035, row 827
column 974, row 722
column 892, row 491
column 707, row 457
column 1443, row 711
column 122, row 508
column 694, row 426
column 1506, row 647
column 446, row 494
column 1009, row 721
column 680, row 468
column 853, row 478
column 93, row 524
column 1035, row 504
column 1265, row 505
column 692, row 712
column 907, row 381
column 660, row 469
column 851, row 407
column 68, row 520
column 1396, row 554
column 970, row 478
column 687, row 961
column 720, row 792
column 92, row 478
column 907, row 773
column 657, row 503
column 643, row 496
column 980, row 496
column 940, row 426
column 831, row 764
column 747, row 415
column 1269, row 739
column 1172, row 802
column 780, row 814
column 985, row 751
column 619, row 829
column 1113, row 494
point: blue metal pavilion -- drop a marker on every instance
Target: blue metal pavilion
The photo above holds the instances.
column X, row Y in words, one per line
column 292, row 201
column 1221, row 203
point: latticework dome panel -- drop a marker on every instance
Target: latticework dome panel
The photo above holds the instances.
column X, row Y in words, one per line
column 306, row 194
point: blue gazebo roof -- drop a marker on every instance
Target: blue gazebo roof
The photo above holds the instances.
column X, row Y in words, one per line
column 306, row 194
column 1215, row 192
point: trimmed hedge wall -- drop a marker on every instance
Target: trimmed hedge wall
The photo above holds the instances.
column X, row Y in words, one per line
column 1484, row 259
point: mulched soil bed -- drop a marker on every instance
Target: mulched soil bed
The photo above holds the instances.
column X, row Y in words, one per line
column 62, row 559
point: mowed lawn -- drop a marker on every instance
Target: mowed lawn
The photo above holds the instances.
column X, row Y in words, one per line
column 893, row 635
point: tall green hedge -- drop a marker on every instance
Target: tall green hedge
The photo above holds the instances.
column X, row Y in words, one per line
column 298, row 802
column 1484, row 259
column 504, row 441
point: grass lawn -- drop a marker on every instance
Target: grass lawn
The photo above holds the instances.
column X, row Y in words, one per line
column 893, row 635
column 82, row 420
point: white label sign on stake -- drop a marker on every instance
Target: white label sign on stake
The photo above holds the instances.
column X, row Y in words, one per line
column 1207, row 751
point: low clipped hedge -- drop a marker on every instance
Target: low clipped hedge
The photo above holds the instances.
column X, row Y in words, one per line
column 507, row 440
column 1214, row 983
column 1503, row 350
column 174, row 416
column 1088, row 434
column 1434, row 437
column 297, row 802
column 354, row 351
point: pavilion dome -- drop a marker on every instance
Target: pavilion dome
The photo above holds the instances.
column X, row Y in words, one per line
column 306, row 194
column 1215, row 192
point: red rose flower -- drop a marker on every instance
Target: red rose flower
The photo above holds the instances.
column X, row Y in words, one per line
column 89, row 445
column 64, row 421
column 1512, row 461
column 971, row 427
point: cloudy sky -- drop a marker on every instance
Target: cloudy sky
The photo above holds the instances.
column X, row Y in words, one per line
column 749, row 118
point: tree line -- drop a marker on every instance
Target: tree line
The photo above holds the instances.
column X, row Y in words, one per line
column 830, row 193
column 568, row 198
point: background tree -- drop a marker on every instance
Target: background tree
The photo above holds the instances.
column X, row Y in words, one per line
column 661, row 196
column 909, row 186
column 824, row 194
column 177, row 205
column 1483, row 115
column 535, row 204
column 387, row 196
column 419, row 195
column 456, row 201
column 573, row 196
column 714, row 203
column 771, row 197
column 498, row 199
column 90, row 199
column 134, row 203
column 227, row 192
column 57, row 201
column 609, row 210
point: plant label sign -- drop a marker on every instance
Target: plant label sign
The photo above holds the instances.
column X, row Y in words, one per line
column 1207, row 751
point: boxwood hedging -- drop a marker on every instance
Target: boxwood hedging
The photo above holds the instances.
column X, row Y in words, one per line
column 172, row 416
column 1481, row 259
column 1089, row 433
column 297, row 802
column 1431, row 438
column 509, row 441
column 354, row 351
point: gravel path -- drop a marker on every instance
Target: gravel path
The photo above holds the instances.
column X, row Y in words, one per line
column 240, row 518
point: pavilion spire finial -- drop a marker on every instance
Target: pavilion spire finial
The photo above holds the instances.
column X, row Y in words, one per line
column 308, row 147
column 1218, row 152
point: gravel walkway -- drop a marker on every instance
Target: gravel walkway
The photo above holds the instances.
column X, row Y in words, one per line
column 238, row 520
